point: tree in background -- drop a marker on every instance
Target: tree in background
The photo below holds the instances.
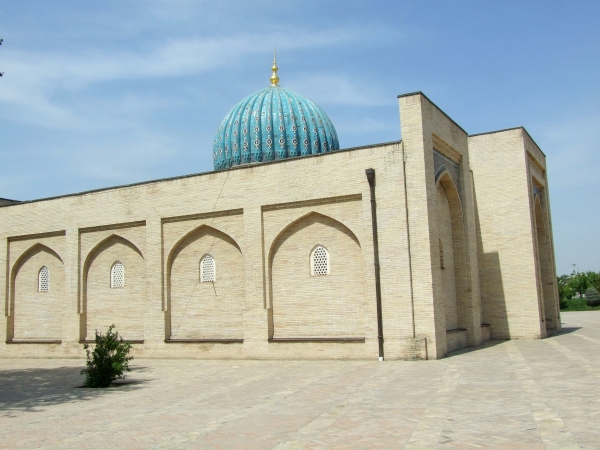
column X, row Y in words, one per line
column 582, row 283
column 594, row 279
column 579, row 282
column 565, row 291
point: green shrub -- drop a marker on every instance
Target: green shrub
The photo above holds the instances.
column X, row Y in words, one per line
column 565, row 291
column 564, row 304
column 106, row 360
column 592, row 297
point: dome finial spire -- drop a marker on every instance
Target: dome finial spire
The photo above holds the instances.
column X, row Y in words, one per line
column 274, row 77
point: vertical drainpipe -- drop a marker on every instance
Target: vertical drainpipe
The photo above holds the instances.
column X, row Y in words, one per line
column 371, row 178
column 410, row 269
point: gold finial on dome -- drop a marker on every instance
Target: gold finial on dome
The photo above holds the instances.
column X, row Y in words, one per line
column 274, row 77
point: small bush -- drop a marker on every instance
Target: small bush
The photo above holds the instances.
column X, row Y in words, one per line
column 107, row 360
column 564, row 304
column 592, row 297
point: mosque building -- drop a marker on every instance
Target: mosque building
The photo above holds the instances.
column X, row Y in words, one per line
column 292, row 248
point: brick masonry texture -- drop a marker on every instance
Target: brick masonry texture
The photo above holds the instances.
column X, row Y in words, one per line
column 307, row 305
column 260, row 223
column 512, row 285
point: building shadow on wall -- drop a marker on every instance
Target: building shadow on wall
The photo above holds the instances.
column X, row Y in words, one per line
column 33, row 389
column 493, row 301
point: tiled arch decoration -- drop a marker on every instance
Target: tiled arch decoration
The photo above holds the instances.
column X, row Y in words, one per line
column 537, row 191
column 442, row 163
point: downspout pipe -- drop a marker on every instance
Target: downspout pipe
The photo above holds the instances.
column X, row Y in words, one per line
column 410, row 269
column 371, row 178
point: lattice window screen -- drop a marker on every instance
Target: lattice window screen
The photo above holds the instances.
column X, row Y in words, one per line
column 44, row 280
column 208, row 269
column 117, row 275
column 320, row 261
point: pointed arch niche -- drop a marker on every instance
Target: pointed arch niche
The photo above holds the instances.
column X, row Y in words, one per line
column 453, row 292
column 308, row 306
column 36, row 310
column 199, row 309
column 546, row 273
column 104, row 305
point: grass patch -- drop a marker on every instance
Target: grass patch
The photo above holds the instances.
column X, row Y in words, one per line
column 578, row 304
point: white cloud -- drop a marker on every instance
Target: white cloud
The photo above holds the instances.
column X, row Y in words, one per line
column 96, row 161
column 32, row 78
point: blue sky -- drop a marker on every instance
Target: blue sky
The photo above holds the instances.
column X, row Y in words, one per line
column 97, row 94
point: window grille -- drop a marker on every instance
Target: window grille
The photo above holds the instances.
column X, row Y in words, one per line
column 117, row 275
column 208, row 269
column 44, row 280
column 319, row 261
column 441, row 256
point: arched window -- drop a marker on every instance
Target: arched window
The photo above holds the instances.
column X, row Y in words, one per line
column 117, row 275
column 319, row 261
column 44, row 279
column 208, row 269
column 441, row 256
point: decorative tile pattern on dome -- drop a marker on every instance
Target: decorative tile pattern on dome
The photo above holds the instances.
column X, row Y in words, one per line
column 272, row 124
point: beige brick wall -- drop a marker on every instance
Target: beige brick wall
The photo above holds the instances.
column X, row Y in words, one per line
column 448, row 280
column 27, row 309
column 104, row 305
column 318, row 306
column 546, row 271
column 200, row 309
column 512, row 301
column 456, row 339
column 38, row 315
column 260, row 222
column 545, row 254
column 251, row 205
column 426, row 128
column 429, row 322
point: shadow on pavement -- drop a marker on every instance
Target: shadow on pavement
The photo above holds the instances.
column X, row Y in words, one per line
column 566, row 330
column 35, row 388
column 493, row 342
column 486, row 344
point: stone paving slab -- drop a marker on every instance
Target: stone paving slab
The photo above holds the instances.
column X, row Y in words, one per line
column 540, row 394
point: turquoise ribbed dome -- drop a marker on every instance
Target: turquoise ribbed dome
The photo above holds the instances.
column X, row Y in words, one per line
column 272, row 124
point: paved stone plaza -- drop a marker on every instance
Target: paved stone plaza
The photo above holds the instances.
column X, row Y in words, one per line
column 507, row 394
